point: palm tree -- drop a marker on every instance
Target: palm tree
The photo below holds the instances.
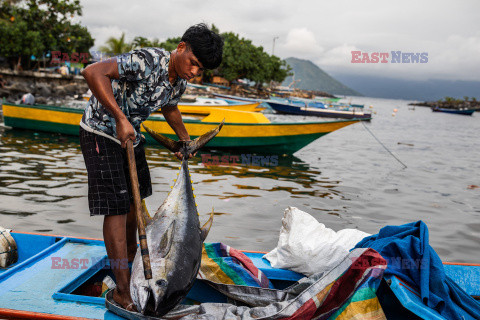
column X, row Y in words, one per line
column 141, row 42
column 116, row 46
column 156, row 43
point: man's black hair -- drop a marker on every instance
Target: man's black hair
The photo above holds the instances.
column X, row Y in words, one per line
column 205, row 44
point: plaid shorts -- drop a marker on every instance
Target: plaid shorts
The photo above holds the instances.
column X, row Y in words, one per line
column 109, row 187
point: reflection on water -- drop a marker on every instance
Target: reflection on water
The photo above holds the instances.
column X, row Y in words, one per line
column 43, row 188
column 345, row 180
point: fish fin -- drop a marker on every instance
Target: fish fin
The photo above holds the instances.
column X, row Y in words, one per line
column 199, row 142
column 206, row 227
column 145, row 215
column 189, row 147
column 143, row 299
column 167, row 240
column 168, row 143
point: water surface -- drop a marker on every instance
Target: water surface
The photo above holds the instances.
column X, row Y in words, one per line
column 345, row 180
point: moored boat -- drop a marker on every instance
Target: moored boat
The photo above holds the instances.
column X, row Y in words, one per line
column 202, row 107
column 57, row 277
column 466, row 112
column 242, row 130
column 301, row 108
column 237, row 98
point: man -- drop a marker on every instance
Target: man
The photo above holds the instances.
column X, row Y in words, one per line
column 126, row 90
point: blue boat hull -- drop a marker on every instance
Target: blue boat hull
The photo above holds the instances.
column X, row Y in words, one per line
column 466, row 112
column 284, row 108
column 51, row 276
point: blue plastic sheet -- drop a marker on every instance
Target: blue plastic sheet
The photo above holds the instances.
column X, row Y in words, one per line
column 412, row 259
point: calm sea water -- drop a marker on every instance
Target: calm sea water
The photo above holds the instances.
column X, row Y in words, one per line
column 345, row 180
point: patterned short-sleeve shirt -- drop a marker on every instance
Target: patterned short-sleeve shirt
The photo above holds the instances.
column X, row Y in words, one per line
column 142, row 88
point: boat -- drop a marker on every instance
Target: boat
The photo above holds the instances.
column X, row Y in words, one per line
column 250, row 131
column 324, row 100
column 55, row 276
column 317, row 109
column 203, row 106
column 463, row 111
column 58, row 277
column 237, row 98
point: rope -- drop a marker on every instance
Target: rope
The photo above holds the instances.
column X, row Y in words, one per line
column 403, row 164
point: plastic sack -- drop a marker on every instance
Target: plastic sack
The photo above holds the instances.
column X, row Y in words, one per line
column 307, row 246
column 8, row 248
column 28, row 99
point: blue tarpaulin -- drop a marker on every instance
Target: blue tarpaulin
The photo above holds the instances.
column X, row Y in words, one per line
column 410, row 258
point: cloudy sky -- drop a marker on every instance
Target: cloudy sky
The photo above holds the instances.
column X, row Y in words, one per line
column 325, row 32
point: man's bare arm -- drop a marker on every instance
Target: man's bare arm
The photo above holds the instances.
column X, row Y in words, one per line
column 174, row 119
column 98, row 76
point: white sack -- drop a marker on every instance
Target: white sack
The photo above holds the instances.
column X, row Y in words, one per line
column 307, row 246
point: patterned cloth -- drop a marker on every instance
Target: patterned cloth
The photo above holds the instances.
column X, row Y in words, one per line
column 223, row 264
column 346, row 292
column 142, row 88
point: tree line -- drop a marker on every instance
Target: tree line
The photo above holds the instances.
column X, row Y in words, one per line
column 30, row 30
column 241, row 58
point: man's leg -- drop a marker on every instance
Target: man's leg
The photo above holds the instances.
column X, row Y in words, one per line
column 131, row 234
column 114, row 234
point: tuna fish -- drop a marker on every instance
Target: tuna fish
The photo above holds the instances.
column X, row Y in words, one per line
column 174, row 239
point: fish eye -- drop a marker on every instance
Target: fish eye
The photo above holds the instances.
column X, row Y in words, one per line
column 161, row 283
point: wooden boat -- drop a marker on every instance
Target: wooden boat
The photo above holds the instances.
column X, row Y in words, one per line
column 250, row 131
column 205, row 109
column 55, row 276
column 201, row 105
column 237, row 98
column 466, row 112
column 300, row 108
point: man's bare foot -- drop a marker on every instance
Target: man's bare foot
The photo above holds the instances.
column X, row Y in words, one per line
column 124, row 300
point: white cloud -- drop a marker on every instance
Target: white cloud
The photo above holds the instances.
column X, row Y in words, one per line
column 322, row 31
column 301, row 43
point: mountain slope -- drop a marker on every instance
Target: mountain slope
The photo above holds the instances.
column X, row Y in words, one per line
column 314, row 78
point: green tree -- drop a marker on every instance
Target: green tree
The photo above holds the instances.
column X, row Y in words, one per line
column 141, row 42
column 116, row 46
column 170, row 44
column 241, row 59
column 18, row 40
column 51, row 20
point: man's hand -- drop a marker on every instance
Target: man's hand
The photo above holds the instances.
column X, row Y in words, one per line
column 125, row 132
column 174, row 119
column 179, row 155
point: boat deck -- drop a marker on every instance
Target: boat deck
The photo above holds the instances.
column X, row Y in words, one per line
column 31, row 283
column 52, row 271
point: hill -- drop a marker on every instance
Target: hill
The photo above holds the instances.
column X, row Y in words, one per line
column 314, row 78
